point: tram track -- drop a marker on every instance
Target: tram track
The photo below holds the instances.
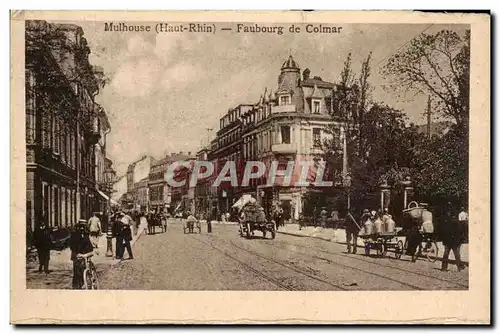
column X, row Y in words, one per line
column 377, row 264
column 406, row 271
column 412, row 286
column 289, row 287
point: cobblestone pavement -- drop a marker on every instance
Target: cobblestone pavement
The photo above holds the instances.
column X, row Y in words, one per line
column 223, row 260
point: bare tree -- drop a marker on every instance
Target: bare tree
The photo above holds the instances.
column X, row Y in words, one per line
column 436, row 64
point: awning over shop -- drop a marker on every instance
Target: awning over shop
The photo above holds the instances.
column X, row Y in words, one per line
column 106, row 197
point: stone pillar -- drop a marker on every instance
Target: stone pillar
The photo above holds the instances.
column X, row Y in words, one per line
column 385, row 195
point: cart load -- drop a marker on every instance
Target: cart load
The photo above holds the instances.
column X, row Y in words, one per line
column 417, row 215
column 252, row 217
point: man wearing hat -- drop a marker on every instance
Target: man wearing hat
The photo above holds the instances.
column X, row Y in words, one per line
column 81, row 248
column 125, row 237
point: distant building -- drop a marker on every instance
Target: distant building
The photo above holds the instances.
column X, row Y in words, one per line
column 141, row 199
column 136, row 172
column 119, row 188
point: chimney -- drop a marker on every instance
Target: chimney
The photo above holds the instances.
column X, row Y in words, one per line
column 189, row 153
column 306, row 74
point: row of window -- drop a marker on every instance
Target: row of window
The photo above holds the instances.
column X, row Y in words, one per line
column 229, row 138
column 156, row 193
column 59, row 206
column 57, row 134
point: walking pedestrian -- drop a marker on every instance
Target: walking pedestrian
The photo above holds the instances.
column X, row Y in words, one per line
column 81, row 248
column 452, row 241
column 43, row 242
column 95, row 229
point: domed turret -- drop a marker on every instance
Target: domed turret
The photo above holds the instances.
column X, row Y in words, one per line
column 290, row 63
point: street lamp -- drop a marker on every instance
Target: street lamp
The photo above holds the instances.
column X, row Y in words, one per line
column 347, row 180
column 109, row 178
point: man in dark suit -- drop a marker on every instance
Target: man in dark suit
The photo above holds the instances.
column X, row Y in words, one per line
column 43, row 244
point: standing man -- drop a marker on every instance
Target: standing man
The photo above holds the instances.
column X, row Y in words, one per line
column 95, row 229
column 463, row 220
column 117, row 234
column 451, row 241
column 42, row 242
column 352, row 229
column 126, row 236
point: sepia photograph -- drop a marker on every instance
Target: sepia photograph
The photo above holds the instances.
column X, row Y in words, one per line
column 246, row 155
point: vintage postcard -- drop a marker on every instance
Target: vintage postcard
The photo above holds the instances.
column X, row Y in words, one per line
column 250, row 167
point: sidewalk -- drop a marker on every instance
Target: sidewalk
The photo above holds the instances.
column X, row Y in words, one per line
column 61, row 266
column 339, row 236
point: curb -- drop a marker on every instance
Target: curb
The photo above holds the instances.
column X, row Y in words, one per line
column 344, row 243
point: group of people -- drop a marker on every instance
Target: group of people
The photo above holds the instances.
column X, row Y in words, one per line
column 452, row 234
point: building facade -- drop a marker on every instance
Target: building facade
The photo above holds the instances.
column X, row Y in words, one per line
column 62, row 125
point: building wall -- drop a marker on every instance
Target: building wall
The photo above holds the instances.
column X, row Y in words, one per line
column 59, row 145
column 119, row 188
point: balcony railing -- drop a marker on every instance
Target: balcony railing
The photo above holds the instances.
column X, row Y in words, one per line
column 284, row 148
column 287, row 108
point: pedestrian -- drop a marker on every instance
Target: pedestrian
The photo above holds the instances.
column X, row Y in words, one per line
column 352, row 229
column 334, row 217
column 323, row 217
column 126, row 236
column 43, row 242
column 118, row 236
column 95, row 229
column 463, row 220
column 451, row 241
column 81, row 249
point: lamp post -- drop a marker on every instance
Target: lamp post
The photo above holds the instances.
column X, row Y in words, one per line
column 347, row 180
column 109, row 177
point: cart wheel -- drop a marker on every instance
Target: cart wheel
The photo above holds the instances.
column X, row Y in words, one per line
column 431, row 251
column 398, row 251
column 249, row 235
column 380, row 249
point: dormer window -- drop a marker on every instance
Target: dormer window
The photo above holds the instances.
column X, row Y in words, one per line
column 316, row 106
column 285, row 100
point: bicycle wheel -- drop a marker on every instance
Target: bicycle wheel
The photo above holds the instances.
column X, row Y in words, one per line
column 431, row 251
column 95, row 280
column 87, row 279
column 398, row 251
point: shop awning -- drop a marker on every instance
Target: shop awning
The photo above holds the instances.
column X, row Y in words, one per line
column 106, row 197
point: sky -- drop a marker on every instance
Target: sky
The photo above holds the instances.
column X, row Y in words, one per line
column 167, row 89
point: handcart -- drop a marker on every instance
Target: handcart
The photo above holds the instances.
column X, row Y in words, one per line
column 382, row 242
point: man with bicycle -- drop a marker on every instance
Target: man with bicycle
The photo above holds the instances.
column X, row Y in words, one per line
column 81, row 250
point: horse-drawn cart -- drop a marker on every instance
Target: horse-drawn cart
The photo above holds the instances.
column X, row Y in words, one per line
column 253, row 218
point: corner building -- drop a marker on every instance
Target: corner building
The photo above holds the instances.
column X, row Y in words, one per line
column 289, row 126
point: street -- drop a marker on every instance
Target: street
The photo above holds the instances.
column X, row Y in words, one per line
column 223, row 260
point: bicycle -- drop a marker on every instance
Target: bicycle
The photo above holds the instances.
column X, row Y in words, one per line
column 90, row 279
column 428, row 248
